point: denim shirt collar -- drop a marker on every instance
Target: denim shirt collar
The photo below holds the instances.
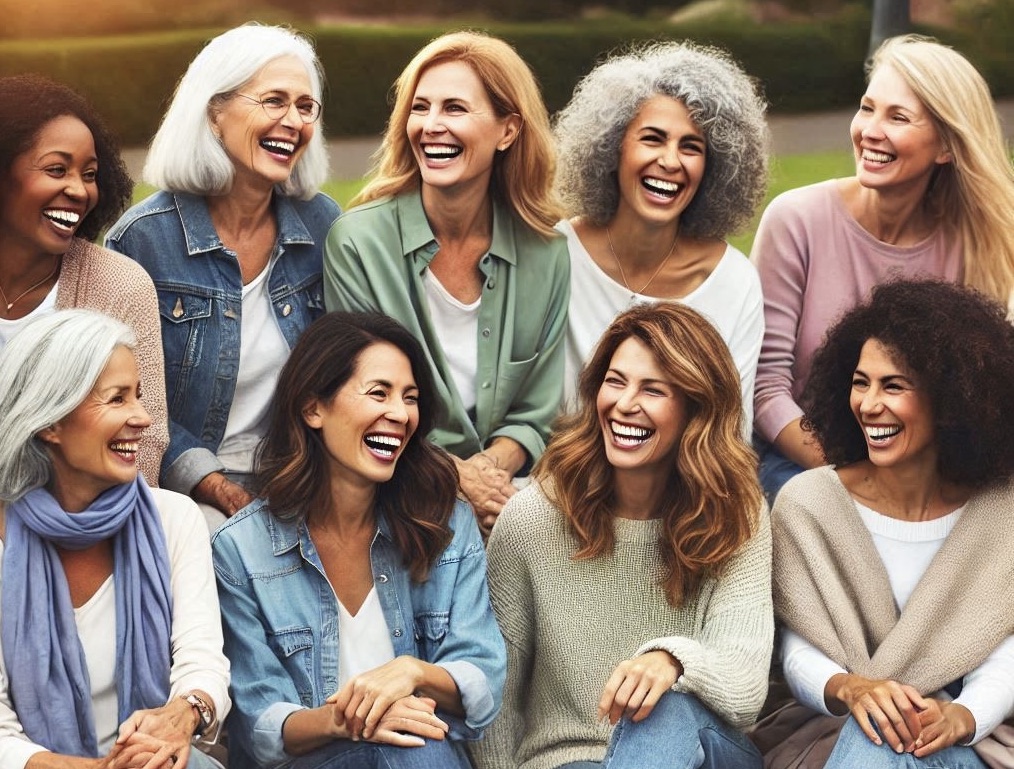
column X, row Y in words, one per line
column 200, row 233
column 286, row 535
column 417, row 237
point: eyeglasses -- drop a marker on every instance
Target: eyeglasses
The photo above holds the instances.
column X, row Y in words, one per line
column 277, row 107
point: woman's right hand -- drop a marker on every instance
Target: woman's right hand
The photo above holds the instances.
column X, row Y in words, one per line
column 409, row 722
column 219, row 492
column 894, row 708
column 486, row 487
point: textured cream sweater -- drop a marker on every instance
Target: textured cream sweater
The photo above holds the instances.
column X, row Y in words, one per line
column 568, row 623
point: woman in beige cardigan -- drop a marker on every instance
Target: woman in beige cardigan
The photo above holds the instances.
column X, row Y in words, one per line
column 892, row 570
column 61, row 183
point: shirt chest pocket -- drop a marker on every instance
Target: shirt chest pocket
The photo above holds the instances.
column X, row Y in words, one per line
column 184, row 318
column 431, row 629
column 294, row 649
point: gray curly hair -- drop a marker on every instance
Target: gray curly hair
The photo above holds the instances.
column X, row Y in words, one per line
column 722, row 100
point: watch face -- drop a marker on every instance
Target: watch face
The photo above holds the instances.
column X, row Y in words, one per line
column 203, row 711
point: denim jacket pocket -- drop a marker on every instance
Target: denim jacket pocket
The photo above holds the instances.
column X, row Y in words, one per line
column 431, row 629
column 185, row 319
column 294, row 649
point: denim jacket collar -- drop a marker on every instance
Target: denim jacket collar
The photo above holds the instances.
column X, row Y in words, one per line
column 286, row 535
column 199, row 230
column 416, row 233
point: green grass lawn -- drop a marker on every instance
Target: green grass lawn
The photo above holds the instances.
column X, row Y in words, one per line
column 787, row 172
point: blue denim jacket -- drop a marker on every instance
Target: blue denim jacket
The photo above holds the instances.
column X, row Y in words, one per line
column 280, row 617
column 200, row 300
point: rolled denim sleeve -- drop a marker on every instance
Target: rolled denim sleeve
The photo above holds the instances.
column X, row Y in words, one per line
column 472, row 651
column 263, row 693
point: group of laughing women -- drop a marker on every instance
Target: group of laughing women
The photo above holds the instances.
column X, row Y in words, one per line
column 480, row 454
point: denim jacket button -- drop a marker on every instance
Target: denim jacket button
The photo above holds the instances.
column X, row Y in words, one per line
column 381, row 578
column 230, row 313
column 178, row 308
column 397, row 633
column 286, row 310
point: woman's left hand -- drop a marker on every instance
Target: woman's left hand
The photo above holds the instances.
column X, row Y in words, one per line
column 172, row 725
column 366, row 698
column 637, row 684
column 943, row 724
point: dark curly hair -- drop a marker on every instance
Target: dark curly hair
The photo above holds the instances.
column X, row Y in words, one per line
column 958, row 346
column 32, row 101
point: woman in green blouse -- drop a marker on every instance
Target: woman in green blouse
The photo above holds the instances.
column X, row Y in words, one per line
column 453, row 236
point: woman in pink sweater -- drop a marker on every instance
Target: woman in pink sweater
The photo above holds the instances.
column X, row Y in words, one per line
column 926, row 127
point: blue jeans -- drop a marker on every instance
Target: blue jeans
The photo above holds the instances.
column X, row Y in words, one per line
column 680, row 733
column 775, row 469
column 854, row 749
column 345, row 754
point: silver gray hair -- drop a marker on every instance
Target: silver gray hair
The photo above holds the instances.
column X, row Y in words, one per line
column 722, row 100
column 46, row 371
column 186, row 156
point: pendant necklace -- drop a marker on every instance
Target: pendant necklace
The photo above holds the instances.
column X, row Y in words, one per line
column 619, row 266
column 26, row 292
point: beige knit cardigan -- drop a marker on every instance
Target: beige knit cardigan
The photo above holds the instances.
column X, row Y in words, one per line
column 95, row 278
column 830, row 586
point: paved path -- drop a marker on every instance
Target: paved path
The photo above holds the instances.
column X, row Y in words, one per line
column 791, row 135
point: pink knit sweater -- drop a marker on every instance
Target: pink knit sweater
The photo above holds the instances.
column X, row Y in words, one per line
column 816, row 262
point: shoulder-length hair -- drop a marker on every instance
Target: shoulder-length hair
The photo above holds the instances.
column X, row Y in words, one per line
column 292, row 466
column 721, row 99
column 46, row 371
column 973, row 195
column 31, row 102
column 185, row 155
column 523, row 173
column 958, row 347
column 713, row 498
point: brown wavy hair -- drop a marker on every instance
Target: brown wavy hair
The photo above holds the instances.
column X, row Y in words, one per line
column 713, row 498
column 292, row 473
column 523, row 173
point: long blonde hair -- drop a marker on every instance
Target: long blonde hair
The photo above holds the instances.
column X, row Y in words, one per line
column 523, row 173
column 975, row 191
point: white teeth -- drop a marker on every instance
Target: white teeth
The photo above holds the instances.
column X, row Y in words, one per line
column 58, row 216
column 877, row 157
column 385, row 445
column 124, row 447
column 878, row 433
column 286, row 147
column 441, row 150
column 660, row 186
column 629, row 435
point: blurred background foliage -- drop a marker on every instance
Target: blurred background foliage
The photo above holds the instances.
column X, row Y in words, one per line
column 127, row 55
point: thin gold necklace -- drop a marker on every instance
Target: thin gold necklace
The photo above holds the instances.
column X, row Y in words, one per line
column 619, row 266
column 27, row 291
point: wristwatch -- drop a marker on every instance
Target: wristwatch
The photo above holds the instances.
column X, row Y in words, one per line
column 206, row 716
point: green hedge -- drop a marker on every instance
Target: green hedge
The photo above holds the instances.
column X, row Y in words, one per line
column 801, row 66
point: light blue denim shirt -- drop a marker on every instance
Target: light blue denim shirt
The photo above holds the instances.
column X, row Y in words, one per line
column 280, row 617
column 200, row 297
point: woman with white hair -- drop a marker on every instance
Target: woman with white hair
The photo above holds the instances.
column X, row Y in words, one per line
column 663, row 153
column 234, row 243
column 110, row 629
column 932, row 197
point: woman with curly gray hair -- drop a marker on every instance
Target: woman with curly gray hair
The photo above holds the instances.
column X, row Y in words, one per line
column 663, row 153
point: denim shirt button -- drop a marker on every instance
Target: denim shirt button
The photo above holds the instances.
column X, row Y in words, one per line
column 381, row 578
column 286, row 310
column 397, row 632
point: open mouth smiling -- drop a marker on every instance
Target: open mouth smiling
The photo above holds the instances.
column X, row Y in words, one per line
column 279, row 147
column 383, row 445
column 629, row 435
column 441, row 151
column 62, row 218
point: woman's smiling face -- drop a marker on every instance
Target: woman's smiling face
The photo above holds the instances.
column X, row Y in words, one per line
column 454, row 130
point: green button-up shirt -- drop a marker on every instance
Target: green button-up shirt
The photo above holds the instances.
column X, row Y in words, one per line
column 375, row 259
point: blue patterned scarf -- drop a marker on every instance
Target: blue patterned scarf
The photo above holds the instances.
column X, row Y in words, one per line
column 46, row 668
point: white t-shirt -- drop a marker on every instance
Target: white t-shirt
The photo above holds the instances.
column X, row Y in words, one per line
column 364, row 642
column 8, row 328
column 262, row 353
column 730, row 298
column 457, row 328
